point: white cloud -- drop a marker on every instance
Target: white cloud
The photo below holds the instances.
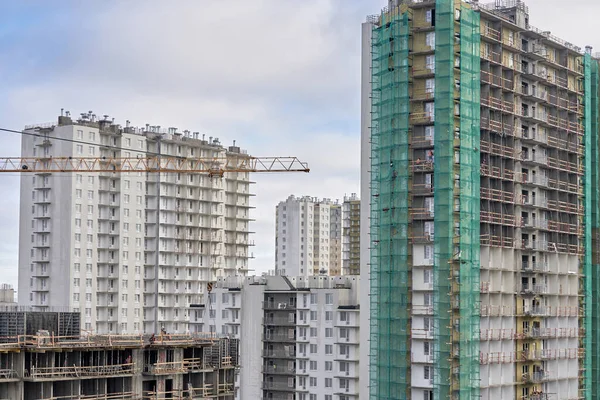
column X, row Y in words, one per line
column 280, row 77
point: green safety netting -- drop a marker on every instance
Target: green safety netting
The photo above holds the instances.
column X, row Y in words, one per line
column 390, row 306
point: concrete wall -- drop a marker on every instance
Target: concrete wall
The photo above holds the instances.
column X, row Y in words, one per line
column 365, row 209
column 251, row 342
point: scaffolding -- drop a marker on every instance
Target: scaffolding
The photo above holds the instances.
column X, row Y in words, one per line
column 469, row 249
column 390, row 269
column 592, row 224
column 444, row 224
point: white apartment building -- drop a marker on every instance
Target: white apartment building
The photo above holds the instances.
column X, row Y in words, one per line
column 89, row 241
column 308, row 231
column 299, row 336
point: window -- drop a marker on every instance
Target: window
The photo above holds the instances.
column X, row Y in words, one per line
column 328, row 315
column 328, row 332
column 313, row 381
column 90, row 209
column 343, row 316
column 328, row 366
column 328, row 349
column 430, row 39
column 79, row 134
column 329, row 298
column 427, row 299
column 91, row 151
column 90, row 195
column 427, row 276
column 313, row 349
column 313, row 298
column 344, row 333
column 427, row 348
column 427, row 372
column 427, row 324
column 328, row 382
column 430, row 62
column 92, row 136
column 313, row 365
column 78, row 193
column 313, row 332
column 79, row 149
column 225, row 298
column 313, row 315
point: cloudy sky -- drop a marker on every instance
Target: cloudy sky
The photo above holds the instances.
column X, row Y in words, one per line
column 279, row 76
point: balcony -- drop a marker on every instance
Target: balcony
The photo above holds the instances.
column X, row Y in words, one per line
column 282, row 321
column 421, row 118
column 272, row 305
column 536, row 377
column 275, row 337
column 533, row 311
column 76, row 372
column 421, row 213
column 165, row 368
column 7, row 375
column 275, row 370
column 278, row 386
column 532, row 289
column 279, row 353
column 535, row 267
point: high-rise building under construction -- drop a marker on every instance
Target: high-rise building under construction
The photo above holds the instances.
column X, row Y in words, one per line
column 480, row 160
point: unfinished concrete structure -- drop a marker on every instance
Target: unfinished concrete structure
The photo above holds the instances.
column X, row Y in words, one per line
column 110, row 367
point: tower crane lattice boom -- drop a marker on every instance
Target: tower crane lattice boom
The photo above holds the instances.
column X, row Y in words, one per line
column 155, row 163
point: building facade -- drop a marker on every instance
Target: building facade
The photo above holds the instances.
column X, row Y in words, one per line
column 482, row 135
column 299, row 336
column 308, row 237
column 351, row 235
column 130, row 251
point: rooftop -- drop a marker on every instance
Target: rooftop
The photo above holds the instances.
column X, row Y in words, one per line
column 108, row 124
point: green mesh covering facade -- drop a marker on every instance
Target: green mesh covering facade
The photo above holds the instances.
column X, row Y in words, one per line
column 592, row 223
column 470, row 175
column 390, row 277
column 443, row 177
